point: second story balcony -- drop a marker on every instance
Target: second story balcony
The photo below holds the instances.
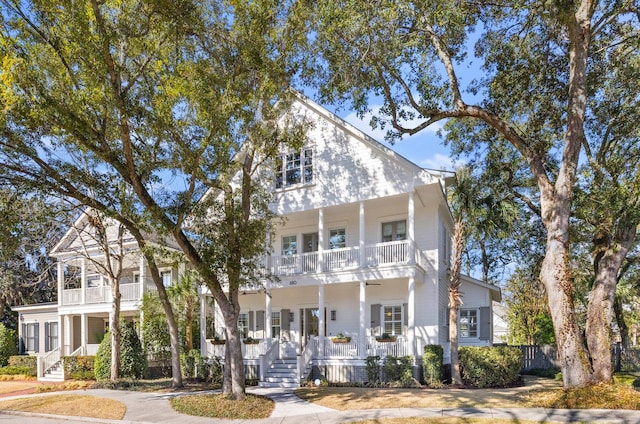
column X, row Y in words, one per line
column 393, row 253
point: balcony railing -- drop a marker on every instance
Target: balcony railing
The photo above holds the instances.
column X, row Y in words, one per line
column 101, row 294
column 379, row 254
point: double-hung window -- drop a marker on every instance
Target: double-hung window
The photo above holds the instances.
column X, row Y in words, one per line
column 468, row 327
column 166, row 277
column 396, row 230
column 294, row 168
column 31, row 337
column 337, row 238
column 51, row 329
column 243, row 325
column 275, row 324
column 392, row 320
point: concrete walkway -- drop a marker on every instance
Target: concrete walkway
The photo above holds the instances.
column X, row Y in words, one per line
column 289, row 409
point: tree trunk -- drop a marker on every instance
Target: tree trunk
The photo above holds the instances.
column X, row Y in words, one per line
column 601, row 304
column 188, row 336
column 574, row 361
column 622, row 323
column 114, row 322
column 226, row 379
column 236, row 361
column 456, row 378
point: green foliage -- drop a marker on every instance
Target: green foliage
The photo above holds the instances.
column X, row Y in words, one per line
column 25, row 361
column 195, row 366
column 373, row 369
column 636, row 383
column 155, row 330
column 79, row 367
column 102, row 362
column 133, row 361
column 8, row 344
column 543, row 372
column 13, row 370
column 490, row 366
column 528, row 317
column 432, row 365
column 397, row 368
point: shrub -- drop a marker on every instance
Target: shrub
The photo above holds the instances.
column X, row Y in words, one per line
column 79, row 367
column 373, row 369
column 13, row 370
column 432, row 365
column 543, row 372
column 195, row 366
column 494, row 366
column 133, row 361
column 216, row 370
column 8, row 344
column 25, row 361
column 397, row 368
column 636, row 383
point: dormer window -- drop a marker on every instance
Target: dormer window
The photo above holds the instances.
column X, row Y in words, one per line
column 294, row 168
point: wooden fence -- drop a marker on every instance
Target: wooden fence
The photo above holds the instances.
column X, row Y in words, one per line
column 545, row 357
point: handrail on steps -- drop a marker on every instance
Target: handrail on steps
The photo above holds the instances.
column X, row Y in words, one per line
column 305, row 357
column 267, row 358
column 47, row 361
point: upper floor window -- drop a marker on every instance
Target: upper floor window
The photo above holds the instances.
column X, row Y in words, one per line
column 468, row 323
column 337, row 238
column 396, row 230
column 294, row 168
column 289, row 245
column 243, row 325
column 166, row 277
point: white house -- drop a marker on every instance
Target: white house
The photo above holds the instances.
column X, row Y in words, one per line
column 363, row 252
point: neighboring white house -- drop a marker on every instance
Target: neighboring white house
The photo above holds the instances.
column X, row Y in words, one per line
column 364, row 250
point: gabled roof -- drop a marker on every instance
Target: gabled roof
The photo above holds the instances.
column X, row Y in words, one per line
column 495, row 292
column 375, row 144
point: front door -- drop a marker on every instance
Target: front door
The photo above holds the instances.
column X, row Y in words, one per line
column 310, row 324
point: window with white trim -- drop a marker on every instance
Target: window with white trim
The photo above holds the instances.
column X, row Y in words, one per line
column 275, row 324
column 294, row 168
column 337, row 238
column 31, row 337
column 392, row 320
column 52, row 336
column 468, row 326
column 289, row 245
column 396, row 230
column 243, row 325
column 166, row 277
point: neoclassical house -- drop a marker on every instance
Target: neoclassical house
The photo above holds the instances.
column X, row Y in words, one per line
column 363, row 253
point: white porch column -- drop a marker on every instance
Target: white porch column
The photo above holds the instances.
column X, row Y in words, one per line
column 60, row 280
column 67, row 335
column 83, row 333
column 267, row 314
column 363, row 256
column 203, row 322
column 141, row 275
column 83, row 281
column 321, row 318
column 362, row 333
column 320, row 239
column 411, row 229
column 411, row 316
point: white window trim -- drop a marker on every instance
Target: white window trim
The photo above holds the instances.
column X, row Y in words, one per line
column 477, row 324
column 284, row 153
column 338, row 226
column 162, row 271
column 403, row 324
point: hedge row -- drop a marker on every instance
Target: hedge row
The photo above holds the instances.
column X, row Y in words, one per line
column 78, row 367
column 494, row 366
column 26, row 362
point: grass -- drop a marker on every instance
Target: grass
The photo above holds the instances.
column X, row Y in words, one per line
column 597, row 396
column 156, row 385
column 16, row 386
column 67, row 385
column 220, row 406
column 70, row 405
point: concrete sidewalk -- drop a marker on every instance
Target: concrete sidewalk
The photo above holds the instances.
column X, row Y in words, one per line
column 289, row 409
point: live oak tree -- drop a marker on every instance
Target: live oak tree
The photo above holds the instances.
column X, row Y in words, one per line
column 540, row 78
column 161, row 102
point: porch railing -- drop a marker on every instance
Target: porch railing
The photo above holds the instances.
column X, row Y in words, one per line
column 392, row 252
column 309, row 352
column 249, row 350
column 101, row 294
column 343, row 258
column 267, row 358
column 333, row 349
column 399, row 347
column 47, row 361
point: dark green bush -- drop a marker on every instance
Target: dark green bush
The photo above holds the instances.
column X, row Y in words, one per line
column 25, row 361
column 397, row 368
column 195, row 366
column 636, row 383
column 373, row 369
column 8, row 344
column 543, row 372
column 79, row 367
column 133, row 361
column 432, row 364
column 490, row 366
column 13, row 370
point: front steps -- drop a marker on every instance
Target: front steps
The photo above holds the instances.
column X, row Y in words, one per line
column 283, row 373
column 55, row 373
